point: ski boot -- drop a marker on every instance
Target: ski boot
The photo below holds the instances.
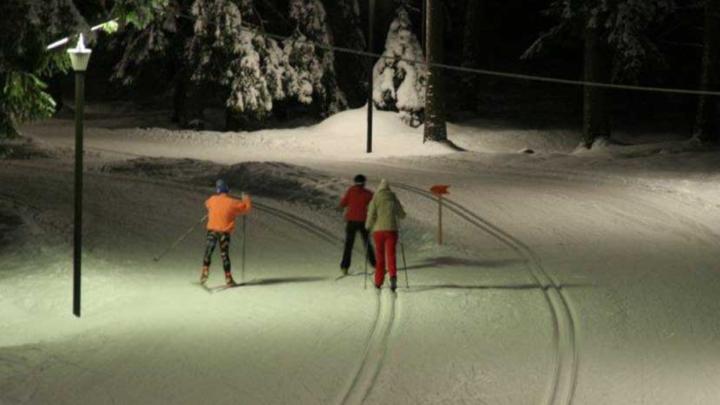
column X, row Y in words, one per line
column 204, row 275
column 393, row 283
column 229, row 280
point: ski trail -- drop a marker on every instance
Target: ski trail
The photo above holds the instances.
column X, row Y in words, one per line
column 564, row 327
column 296, row 220
column 384, row 345
column 374, row 352
column 376, row 343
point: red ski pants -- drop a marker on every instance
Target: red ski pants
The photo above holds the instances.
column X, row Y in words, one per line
column 385, row 242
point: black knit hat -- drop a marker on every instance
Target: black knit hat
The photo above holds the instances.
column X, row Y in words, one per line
column 360, row 179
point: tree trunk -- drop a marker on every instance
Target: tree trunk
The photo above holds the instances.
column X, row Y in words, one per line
column 180, row 90
column 181, row 78
column 706, row 125
column 472, row 40
column 435, row 128
column 596, row 113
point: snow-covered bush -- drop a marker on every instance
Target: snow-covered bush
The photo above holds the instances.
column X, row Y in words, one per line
column 399, row 84
column 317, row 67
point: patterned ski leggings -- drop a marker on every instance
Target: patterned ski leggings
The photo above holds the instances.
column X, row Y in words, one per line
column 212, row 240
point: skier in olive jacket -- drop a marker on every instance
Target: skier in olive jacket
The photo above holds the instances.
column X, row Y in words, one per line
column 384, row 213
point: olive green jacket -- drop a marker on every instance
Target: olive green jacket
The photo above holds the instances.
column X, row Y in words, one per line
column 384, row 211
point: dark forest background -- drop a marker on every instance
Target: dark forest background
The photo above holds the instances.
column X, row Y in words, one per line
column 659, row 43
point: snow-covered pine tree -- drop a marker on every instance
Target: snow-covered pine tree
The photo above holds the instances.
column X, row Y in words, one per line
column 149, row 34
column 248, row 65
column 216, row 41
column 398, row 83
column 317, row 68
column 28, row 28
column 303, row 69
column 616, row 47
column 153, row 43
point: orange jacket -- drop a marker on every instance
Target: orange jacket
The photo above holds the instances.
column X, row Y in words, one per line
column 222, row 211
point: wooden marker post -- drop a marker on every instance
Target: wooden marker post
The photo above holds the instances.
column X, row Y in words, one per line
column 439, row 191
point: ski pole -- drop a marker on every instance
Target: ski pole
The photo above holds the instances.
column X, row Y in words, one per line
column 244, row 226
column 402, row 250
column 367, row 258
column 180, row 239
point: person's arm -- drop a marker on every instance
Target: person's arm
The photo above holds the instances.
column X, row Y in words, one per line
column 400, row 211
column 243, row 206
column 344, row 200
column 371, row 215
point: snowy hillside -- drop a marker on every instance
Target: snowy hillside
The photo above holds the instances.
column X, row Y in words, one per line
column 557, row 282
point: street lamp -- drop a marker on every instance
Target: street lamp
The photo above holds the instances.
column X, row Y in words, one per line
column 371, row 39
column 79, row 58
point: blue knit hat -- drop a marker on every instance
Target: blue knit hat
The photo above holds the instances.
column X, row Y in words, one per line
column 221, row 186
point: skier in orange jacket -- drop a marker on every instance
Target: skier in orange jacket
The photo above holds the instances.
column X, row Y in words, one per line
column 222, row 211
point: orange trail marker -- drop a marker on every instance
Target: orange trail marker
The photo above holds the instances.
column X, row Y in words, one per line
column 439, row 190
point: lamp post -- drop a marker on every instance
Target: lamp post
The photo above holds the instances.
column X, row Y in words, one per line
column 371, row 14
column 79, row 58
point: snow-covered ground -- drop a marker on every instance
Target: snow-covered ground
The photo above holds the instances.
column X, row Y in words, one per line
column 566, row 277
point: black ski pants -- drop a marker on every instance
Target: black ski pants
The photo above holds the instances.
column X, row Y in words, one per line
column 351, row 228
column 212, row 240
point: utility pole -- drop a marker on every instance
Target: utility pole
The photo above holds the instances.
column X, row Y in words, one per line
column 371, row 15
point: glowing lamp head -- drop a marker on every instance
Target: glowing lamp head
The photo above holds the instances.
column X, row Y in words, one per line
column 80, row 55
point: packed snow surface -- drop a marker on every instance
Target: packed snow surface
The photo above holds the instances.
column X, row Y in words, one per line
column 565, row 276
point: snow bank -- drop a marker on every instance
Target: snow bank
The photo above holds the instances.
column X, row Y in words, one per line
column 344, row 136
column 275, row 180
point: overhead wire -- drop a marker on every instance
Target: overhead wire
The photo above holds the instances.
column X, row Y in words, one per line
column 478, row 71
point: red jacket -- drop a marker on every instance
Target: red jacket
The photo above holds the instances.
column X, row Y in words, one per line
column 222, row 210
column 356, row 200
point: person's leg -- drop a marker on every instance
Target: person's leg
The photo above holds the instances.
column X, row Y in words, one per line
column 225, row 255
column 380, row 259
column 350, row 230
column 211, row 242
column 390, row 247
column 370, row 254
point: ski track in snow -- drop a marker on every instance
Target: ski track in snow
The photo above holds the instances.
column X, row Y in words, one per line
column 564, row 325
column 374, row 352
column 376, row 345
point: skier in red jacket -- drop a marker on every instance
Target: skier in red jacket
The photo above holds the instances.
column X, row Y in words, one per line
column 356, row 201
